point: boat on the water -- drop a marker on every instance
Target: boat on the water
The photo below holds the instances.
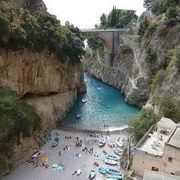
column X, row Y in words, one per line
column 78, row 116
column 92, row 174
column 113, row 171
column 118, row 151
column 84, row 100
column 112, row 157
column 110, row 162
column 101, row 143
column 114, row 177
column 102, row 170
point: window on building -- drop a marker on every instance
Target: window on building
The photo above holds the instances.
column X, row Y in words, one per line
column 155, row 169
column 170, row 159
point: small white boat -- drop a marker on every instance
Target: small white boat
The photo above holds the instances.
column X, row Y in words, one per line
column 78, row 116
column 110, row 162
column 120, row 144
column 78, row 172
column 112, row 157
column 84, row 100
column 92, row 174
column 118, row 151
column 101, row 143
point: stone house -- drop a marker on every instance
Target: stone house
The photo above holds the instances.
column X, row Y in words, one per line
column 159, row 149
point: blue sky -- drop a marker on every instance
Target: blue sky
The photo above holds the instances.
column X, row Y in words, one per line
column 86, row 13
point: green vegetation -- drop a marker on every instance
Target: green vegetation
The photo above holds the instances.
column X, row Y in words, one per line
column 96, row 44
column 158, row 79
column 18, row 119
column 158, row 7
column 143, row 122
column 151, row 55
column 125, row 49
column 117, row 18
column 177, row 57
column 21, row 29
column 170, row 107
column 162, row 30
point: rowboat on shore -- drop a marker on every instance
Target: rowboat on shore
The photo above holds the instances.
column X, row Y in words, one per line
column 113, row 171
column 112, row 157
column 120, row 144
column 101, row 143
column 92, row 174
column 118, row 151
column 102, row 170
column 113, row 177
column 54, row 144
column 110, row 162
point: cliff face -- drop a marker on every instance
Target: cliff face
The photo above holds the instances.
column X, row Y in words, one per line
column 38, row 73
column 47, row 84
column 126, row 72
column 131, row 73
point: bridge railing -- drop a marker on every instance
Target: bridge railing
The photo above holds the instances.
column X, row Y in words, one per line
column 104, row 30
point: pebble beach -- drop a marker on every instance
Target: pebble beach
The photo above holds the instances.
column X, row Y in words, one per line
column 72, row 158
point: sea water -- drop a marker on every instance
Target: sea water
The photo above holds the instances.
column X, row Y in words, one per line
column 105, row 105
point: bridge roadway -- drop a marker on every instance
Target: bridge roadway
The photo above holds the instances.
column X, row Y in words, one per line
column 103, row 30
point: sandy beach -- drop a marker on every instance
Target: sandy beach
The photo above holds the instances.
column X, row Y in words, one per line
column 85, row 160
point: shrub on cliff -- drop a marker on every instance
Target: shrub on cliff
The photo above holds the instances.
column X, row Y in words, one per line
column 177, row 58
column 158, row 79
column 19, row 28
column 151, row 55
column 170, row 107
column 18, row 119
column 142, row 123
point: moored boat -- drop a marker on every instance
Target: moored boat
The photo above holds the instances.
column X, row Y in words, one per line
column 102, row 170
column 113, row 171
column 78, row 116
column 112, row 157
column 92, row 174
column 110, row 162
column 84, row 100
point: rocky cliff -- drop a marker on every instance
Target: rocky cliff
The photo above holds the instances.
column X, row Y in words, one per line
column 44, row 82
column 131, row 72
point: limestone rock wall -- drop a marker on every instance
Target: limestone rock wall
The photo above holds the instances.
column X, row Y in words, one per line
column 46, row 83
column 38, row 73
column 131, row 73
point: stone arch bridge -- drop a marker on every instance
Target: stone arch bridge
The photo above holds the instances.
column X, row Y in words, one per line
column 111, row 39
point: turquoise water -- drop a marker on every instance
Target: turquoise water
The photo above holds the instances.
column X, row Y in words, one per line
column 105, row 105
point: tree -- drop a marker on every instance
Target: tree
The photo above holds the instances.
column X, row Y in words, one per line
column 103, row 21
column 143, row 122
column 113, row 17
column 168, row 106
